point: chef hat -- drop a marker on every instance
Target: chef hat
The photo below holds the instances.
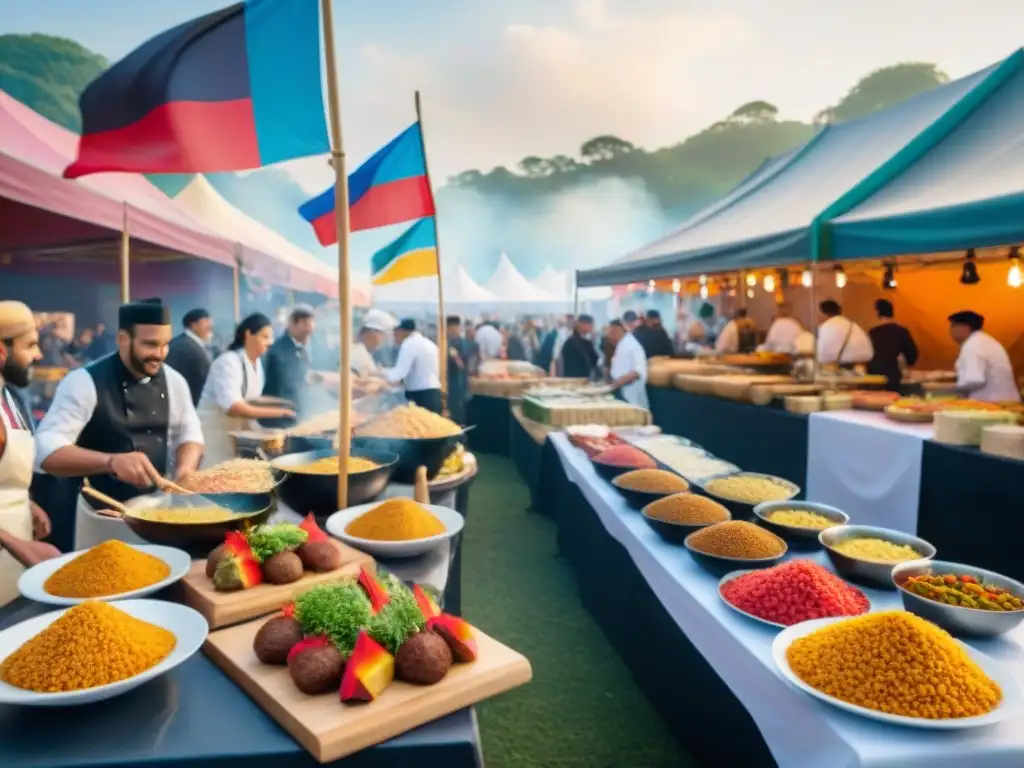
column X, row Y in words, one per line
column 972, row 320
column 15, row 320
column 146, row 312
column 378, row 320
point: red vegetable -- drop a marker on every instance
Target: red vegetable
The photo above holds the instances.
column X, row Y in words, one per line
column 458, row 633
column 625, row 456
column 289, row 610
column 425, row 602
column 315, row 531
column 373, row 588
column 368, row 672
column 312, row 641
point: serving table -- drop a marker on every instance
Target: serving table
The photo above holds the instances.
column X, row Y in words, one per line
column 489, row 414
column 709, row 671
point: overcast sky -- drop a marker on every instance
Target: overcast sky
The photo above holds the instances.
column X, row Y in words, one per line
column 506, row 78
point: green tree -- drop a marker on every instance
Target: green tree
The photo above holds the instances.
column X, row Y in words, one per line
column 535, row 167
column 755, row 112
column 466, row 178
column 563, row 164
column 882, row 89
column 605, row 148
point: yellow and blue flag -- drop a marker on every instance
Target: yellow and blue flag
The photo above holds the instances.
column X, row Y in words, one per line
column 412, row 254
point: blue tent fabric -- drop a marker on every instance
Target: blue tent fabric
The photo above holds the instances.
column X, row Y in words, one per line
column 967, row 191
column 770, row 220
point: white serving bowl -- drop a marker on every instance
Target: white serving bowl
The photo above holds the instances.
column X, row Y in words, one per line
column 337, row 523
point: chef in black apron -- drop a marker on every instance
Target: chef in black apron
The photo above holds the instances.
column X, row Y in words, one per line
column 123, row 421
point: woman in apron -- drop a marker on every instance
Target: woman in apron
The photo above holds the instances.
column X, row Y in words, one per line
column 234, row 382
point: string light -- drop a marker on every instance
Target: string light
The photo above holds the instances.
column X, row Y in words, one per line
column 969, row 275
column 769, row 284
column 840, row 275
column 650, row 287
column 676, row 285
column 1014, row 277
column 805, row 278
column 751, row 280
column 704, row 291
column 750, row 293
column 889, row 278
column 703, row 279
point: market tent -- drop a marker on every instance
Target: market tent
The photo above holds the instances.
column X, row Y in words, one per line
column 966, row 192
column 459, row 289
column 555, row 283
column 772, row 218
column 510, row 287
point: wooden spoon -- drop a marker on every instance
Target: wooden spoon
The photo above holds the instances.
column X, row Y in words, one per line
column 117, row 509
column 421, row 490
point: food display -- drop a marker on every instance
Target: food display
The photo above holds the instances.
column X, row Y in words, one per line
column 756, row 359
column 690, row 461
column 749, row 489
column 110, row 568
column 328, row 465
column 966, row 427
column 873, row 399
column 232, row 476
column 792, row 592
column 876, row 550
column 327, row 421
column 625, row 455
column 454, row 464
column 737, row 539
column 801, row 518
column 964, row 591
column 918, row 409
column 569, row 410
column 652, row 481
column 687, row 509
column 182, row 515
column 409, row 421
column 896, row 663
column 396, row 519
column 593, row 439
column 90, row 645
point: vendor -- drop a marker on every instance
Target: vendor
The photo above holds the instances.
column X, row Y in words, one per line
column 738, row 335
column 784, row 332
column 235, row 380
column 840, row 340
column 371, row 335
column 893, row 345
column 289, row 366
column 417, row 367
column 191, row 351
column 629, row 366
column 578, row 356
column 983, row 368
column 122, row 421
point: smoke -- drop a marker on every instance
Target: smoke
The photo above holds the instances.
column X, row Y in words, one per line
column 586, row 225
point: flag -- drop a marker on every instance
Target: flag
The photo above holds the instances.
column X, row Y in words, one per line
column 389, row 188
column 413, row 254
column 236, row 89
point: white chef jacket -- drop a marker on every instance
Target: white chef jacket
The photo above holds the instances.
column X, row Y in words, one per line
column 416, row 365
column 228, row 374
column 629, row 356
column 831, row 335
column 361, row 361
column 983, row 369
column 75, row 401
column 728, row 341
column 20, row 422
column 782, row 336
column 488, row 341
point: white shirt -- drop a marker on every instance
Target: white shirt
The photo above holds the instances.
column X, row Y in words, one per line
column 224, row 383
column 983, row 369
column 361, row 361
column 13, row 405
column 629, row 356
column 75, row 401
column 728, row 341
column 831, row 335
column 416, row 364
column 488, row 341
column 782, row 336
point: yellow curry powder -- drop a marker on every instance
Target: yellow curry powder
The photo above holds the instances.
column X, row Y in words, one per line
column 110, row 568
column 92, row 644
column 396, row 520
column 896, row 663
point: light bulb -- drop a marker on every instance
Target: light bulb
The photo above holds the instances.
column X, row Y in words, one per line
column 840, row 279
column 703, row 279
column 751, row 279
column 1013, row 278
column 769, row 284
column 650, row 284
column 750, row 293
column 805, row 278
column 676, row 285
column 703, row 291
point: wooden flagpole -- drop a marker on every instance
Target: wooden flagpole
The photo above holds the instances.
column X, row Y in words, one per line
column 236, row 285
column 124, row 254
column 442, row 324
column 341, row 215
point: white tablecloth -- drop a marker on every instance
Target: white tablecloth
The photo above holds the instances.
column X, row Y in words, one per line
column 801, row 731
column 866, row 465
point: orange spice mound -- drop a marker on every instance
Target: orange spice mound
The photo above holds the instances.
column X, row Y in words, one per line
column 110, row 568
column 396, row 520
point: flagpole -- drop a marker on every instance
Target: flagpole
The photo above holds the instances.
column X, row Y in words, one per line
column 341, row 216
column 442, row 323
column 124, row 253
column 236, row 284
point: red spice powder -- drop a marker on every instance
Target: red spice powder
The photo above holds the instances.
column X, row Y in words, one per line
column 625, row 456
column 793, row 592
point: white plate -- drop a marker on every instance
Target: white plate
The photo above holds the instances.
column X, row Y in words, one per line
column 31, row 582
column 337, row 523
column 189, row 628
column 1011, row 705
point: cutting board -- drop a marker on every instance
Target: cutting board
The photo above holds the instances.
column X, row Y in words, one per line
column 222, row 609
column 330, row 730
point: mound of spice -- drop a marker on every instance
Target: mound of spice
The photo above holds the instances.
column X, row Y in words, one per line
column 801, row 518
column 652, row 481
column 687, row 509
column 793, row 592
column 92, row 644
column 625, row 456
column 876, row 550
column 397, row 519
column 110, row 568
column 739, row 539
column 749, row 489
column 897, row 663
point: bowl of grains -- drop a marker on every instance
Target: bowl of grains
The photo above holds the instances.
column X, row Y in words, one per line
column 734, row 545
column 799, row 522
column 640, row 487
column 867, row 554
column 677, row 516
column 742, row 491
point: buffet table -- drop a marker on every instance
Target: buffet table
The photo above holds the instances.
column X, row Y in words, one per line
column 490, row 416
column 709, row 670
column 527, row 439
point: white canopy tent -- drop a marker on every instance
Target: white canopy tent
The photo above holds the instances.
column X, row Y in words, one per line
column 459, row 290
column 556, row 283
column 510, row 287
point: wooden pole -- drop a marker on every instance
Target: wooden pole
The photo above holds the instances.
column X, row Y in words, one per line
column 341, row 216
column 575, row 295
column 236, row 285
column 442, row 325
column 125, row 252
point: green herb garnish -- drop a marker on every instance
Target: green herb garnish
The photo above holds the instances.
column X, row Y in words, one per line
column 336, row 610
column 399, row 619
column 267, row 540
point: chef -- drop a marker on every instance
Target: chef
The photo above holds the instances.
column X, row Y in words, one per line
column 236, row 379
column 841, row 341
column 983, row 368
column 784, row 332
column 629, row 365
column 123, row 422
column 371, row 335
column 21, row 521
column 416, row 367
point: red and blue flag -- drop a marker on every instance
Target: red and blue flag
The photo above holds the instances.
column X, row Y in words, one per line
column 389, row 188
column 236, row 89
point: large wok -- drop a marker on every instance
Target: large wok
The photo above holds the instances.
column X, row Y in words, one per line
column 318, row 494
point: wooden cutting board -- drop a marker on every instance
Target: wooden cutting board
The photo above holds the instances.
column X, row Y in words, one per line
column 330, row 730
column 222, row 609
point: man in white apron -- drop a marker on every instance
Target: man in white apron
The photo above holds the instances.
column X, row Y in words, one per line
column 20, row 521
column 122, row 422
